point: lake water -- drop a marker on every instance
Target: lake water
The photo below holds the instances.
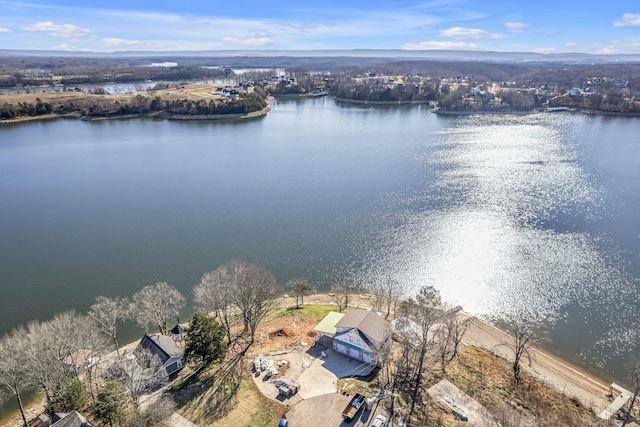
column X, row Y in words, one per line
column 500, row 213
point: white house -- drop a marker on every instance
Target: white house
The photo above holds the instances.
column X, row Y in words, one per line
column 360, row 334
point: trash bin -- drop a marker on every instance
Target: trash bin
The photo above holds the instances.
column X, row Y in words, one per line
column 368, row 404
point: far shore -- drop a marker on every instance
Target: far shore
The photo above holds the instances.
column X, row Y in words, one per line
column 361, row 102
column 159, row 115
column 442, row 112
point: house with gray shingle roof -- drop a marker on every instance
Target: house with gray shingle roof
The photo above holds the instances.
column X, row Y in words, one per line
column 170, row 354
column 71, row 419
column 360, row 334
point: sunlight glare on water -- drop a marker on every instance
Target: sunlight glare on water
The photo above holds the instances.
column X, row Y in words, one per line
column 498, row 227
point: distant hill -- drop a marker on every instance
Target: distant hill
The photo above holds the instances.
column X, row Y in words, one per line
column 344, row 55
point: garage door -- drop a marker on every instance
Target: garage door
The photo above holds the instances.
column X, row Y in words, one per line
column 340, row 348
column 354, row 353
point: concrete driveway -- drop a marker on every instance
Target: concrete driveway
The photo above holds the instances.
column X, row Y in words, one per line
column 325, row 411
column 321, row 377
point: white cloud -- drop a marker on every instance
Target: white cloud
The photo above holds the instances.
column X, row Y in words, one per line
column 58, row 30
column 248, row 41
column 516, row 27
column 4, row 30
column 140, row 44
column 628, row 20
column 436, row 45
column 470, row 34
column 614, row 47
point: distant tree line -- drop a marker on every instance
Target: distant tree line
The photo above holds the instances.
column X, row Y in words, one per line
column 77, row 74
column 140, row 104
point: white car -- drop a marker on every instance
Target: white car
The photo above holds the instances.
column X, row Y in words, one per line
column 380, row 421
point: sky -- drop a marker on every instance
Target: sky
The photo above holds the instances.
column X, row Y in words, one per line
column 542, row 26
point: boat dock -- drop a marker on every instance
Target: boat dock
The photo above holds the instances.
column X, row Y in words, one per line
column 618, row 402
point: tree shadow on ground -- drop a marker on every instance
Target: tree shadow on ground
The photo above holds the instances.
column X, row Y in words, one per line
column 210, row 393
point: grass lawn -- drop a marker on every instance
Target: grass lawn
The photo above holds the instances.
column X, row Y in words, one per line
column 305, row 311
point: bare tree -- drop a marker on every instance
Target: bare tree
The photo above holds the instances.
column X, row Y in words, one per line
column 109, row 314
column 156, row 304
column 425, row 310
column 342, row 292
column 155, row 415
column 90, row 344
column 525, row 334
column 452, row 328
column 43, row 369
column 13, row 375
column 253, row 293
column 300, row 288
column 392, row 291
column 137, row 374
column 62, row 340
column 376, row 288
column 61, row 347
column 214, row 295
column 633, row 368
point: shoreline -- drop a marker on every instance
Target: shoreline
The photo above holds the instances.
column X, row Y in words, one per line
column 157, row 115
column 264, row 111
column 554, row 371
column 362, row 102
column 441, row 112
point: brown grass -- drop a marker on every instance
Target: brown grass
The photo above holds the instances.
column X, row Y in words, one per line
column 488, row 379
column 191, row 92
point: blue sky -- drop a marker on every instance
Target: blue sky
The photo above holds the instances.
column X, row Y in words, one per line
column 543, row 26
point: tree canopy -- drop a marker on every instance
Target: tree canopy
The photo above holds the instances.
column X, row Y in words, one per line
column 205, row 339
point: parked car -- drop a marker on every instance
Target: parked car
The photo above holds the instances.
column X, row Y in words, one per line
column 380, row 421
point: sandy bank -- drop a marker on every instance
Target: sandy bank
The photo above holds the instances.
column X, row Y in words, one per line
column 558, row 374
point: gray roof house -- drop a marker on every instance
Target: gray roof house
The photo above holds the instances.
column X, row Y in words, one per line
column 72, row 419
column 170, row 354
column 360, row 334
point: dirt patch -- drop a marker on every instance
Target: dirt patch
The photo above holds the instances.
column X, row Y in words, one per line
column 278, row 333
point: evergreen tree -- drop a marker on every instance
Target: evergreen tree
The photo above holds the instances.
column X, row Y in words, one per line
column 205, row 339
column 112, row 403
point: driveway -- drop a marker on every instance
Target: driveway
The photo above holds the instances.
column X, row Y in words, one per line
column 322, row 376
column 326, row 411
